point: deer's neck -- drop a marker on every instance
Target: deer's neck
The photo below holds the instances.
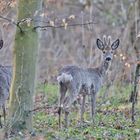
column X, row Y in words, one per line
column 103, row 68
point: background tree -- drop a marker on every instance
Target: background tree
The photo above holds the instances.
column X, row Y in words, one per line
column 134, row 26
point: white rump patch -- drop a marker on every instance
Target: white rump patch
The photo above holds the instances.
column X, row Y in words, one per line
column 64, row 77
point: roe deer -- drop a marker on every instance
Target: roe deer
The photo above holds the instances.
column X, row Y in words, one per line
column 5, row 81
column 86, row 81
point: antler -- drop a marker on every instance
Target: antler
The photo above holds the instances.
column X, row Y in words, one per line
column 109, row 40
column 105, row 40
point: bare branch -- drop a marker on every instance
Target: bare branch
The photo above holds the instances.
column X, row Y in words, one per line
column 9, row 20
column 62, row 26
column 45, row 26
column 13, row 22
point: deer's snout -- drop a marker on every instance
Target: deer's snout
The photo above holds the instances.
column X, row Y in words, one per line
column 108, row 59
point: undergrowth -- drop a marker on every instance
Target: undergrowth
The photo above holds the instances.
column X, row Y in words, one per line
column 112, row 120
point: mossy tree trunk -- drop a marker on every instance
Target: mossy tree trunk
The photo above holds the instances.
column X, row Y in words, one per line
column 24, row 70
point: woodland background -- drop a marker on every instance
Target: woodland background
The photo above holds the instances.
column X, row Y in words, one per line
column 77, row 44
column 68, row 33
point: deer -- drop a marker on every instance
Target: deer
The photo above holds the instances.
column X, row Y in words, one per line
column 74, row 81
column 5, row 82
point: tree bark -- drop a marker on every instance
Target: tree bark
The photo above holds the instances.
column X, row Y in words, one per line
column 135, row 91
column 24, row 70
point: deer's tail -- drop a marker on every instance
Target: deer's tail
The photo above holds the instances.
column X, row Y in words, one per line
column 64, row 77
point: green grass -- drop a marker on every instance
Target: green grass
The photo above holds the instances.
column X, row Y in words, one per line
column 112, row 121
column 51, row 91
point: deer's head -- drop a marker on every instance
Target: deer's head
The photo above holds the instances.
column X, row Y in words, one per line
column 107, row 47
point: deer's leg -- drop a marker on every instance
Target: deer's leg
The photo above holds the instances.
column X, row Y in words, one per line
column 67, row 104
column 69, row 100
column 82, row 109
column 4, row 113
column 63, row 90
column 93, row 103
column 59, row 112
column 0, row 122
column 66, row 118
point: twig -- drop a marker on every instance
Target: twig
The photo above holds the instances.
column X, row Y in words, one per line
column 38, row 108
column 45, row 26
column 43, row 107
column 9, row 20
column 61, row 26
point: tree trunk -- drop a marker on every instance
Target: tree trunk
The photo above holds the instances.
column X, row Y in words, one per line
column 135, row 91
column 135, row 41
column 24, row 70
column 134, row 94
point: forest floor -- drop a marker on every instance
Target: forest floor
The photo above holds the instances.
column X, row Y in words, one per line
column 112, row 120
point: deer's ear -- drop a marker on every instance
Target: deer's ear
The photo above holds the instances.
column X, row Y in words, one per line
column 100, row 44
column 1, row 44
column 115, row 44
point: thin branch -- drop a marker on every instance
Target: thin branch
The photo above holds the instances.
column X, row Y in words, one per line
column 21, row 30
column 9, row 20
column 62, row 26
column 14, row 23
column 45, row 26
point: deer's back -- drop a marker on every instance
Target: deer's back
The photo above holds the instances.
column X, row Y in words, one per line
column 83, row 76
